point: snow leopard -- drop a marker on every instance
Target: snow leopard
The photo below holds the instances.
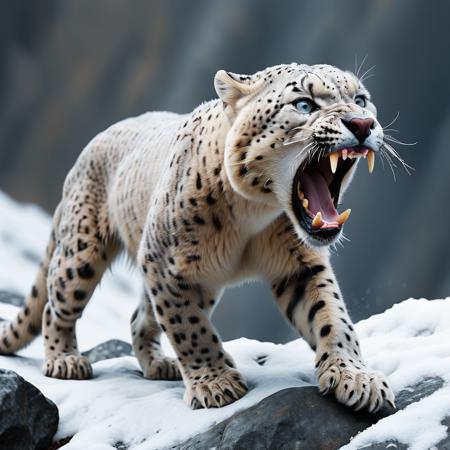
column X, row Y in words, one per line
column 247, row 186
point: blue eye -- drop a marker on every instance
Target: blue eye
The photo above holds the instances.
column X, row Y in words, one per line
column 305, row 106
column 360, row 100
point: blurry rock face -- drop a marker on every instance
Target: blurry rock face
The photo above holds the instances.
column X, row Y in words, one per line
column 28, row 420
column 63, row 78
column 300, row 419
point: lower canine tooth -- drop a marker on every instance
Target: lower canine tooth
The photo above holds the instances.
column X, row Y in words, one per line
column 343, row 217
column 371, row 160
column 305, row 203
column 317, row 221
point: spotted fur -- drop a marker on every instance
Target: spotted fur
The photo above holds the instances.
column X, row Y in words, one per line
column 200, row 201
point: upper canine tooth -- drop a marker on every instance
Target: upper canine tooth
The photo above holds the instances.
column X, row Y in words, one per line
column 317, row 221
column 299, row 192
column 343, row 217
column 344, row 154
column 334, row 158
column 371, row 160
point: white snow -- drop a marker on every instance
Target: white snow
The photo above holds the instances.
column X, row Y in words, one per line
column 408, row 342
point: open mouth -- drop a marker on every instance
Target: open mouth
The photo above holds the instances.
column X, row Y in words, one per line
column 316, row 189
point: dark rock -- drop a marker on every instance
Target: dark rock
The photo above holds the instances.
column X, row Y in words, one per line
column 387, row 445
column 113, row 348
column 442, row 445
column 261, row 360
column 297, row 419
column 418, row 391
column 12, row 298
column 59, row 443
column 445, row 443
column 28, row 420
column 404, row 398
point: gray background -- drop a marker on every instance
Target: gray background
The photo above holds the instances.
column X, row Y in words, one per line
column 68, row 69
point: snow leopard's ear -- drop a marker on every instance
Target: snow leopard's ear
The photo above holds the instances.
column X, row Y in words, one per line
column 231, row 87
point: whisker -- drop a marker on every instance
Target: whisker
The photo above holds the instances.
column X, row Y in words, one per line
column 371, row 75
column 361, row 65
column 301, row 127
column 392, row 121
column 382, row 159
column 394, row 153
column 392, row 130
column 390, row 163
column 397, row 141
column 365, row 75
column 297, row 137
column 295, row 141
column 333, row 248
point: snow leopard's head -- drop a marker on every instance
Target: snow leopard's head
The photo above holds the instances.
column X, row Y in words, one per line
column 297, row 134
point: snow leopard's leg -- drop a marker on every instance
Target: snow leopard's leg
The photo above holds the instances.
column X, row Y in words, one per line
column 307, row 292
column 24, row 328
column 312, row 302
column 82, row 254
column 145, row 331
column 182, row 311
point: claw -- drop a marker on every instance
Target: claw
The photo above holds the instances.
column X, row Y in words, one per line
column 391, row 404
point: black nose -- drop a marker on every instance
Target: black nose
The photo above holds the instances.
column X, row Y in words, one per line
column 359, row 127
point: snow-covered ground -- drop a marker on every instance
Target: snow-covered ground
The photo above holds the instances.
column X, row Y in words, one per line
column 408, row 342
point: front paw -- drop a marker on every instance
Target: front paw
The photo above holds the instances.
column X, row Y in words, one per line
column 353, row 384
column 206, row 389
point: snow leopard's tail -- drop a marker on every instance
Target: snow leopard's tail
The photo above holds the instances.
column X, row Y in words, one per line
column 28, row 323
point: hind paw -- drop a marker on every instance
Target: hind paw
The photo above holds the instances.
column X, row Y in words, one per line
column 162, row 369
column 68, row 367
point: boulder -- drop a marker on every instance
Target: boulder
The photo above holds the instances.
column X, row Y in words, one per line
column 445, row 443
column 113, row 348
column 404, row 398
column 11, row 298
column 297, row 419
column 28, row 420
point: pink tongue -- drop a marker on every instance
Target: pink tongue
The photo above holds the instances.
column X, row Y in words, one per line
column 315, row 188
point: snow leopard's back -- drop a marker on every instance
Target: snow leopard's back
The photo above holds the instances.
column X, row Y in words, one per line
column 130, row 157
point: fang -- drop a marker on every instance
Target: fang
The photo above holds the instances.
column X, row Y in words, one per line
column 343, row 217
column 317, row 221
column 371, row 160
column 334, row 158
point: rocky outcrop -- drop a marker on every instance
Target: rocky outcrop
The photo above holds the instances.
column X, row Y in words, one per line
column 404, row 398
column 114, row 348
column 297, row 419
column 11, row 298
column 28, row 420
